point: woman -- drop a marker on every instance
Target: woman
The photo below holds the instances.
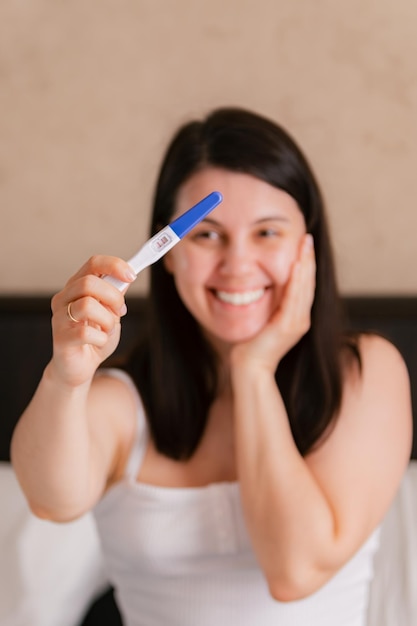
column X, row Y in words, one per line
column 274, row 440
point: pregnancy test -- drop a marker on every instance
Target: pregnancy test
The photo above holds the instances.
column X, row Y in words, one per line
column 168, row 237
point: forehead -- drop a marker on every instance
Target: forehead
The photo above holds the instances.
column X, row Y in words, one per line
column 245, row 197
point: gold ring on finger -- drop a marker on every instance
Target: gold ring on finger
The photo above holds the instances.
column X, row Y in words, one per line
column 70, row 315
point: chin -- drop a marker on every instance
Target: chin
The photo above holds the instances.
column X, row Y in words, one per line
column 235, row 336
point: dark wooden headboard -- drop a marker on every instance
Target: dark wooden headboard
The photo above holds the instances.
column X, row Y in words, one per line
column 26, row 344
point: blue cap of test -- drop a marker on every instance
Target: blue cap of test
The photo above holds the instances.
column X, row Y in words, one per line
column 185, row 222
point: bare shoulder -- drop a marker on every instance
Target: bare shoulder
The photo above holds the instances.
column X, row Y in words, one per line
column 379, row 390
column 381, row 381
column 361, row 462
column 378, row 353
column 113, row 407
column 114, row 393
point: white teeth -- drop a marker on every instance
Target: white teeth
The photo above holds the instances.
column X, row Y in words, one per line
column 240, row 298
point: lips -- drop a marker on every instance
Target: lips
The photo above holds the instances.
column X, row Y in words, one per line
column 239, row 298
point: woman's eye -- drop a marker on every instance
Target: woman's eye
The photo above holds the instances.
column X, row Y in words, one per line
column 268, row 232
column 207, row 234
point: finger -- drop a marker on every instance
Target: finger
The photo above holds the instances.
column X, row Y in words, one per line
column 100, row 265
column 88, row 310
column 299, row 292
column 87, row 282
column 306, row 278
column 303, row 289
column 87, row 335
column 89, row 286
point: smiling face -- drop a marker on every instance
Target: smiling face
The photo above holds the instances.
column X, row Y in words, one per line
column 231, row 270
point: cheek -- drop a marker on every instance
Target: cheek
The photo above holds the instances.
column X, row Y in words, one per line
column 176, row 261
column 187, row 266
column 283, row 262
column 182, row 264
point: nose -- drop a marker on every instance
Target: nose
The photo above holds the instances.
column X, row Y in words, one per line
column 237, row 258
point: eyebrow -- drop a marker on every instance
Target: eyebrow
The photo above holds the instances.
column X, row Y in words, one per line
column 272, row 218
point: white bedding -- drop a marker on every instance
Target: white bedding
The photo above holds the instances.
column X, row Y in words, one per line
column 393, row 599
column 49, row 573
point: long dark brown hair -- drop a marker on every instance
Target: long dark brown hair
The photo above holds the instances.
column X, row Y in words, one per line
column 173, row 364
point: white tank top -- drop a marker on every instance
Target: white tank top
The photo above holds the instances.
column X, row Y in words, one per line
column 182, row 557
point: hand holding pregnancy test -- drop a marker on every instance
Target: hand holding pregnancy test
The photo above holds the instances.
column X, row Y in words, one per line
column 168, row 237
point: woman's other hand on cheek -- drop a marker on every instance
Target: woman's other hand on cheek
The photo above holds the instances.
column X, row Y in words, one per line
column 290, row 322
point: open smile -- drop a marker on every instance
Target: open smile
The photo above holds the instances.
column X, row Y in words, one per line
column 239, row 298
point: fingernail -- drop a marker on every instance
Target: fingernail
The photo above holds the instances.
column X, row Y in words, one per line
column 309, row 240
column 123, row 310
column 130, row 275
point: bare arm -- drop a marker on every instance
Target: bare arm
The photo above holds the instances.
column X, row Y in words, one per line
column 307, row 516
column 64, row 445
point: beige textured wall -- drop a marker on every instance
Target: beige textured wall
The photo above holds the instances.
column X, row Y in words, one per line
column 91, row 90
